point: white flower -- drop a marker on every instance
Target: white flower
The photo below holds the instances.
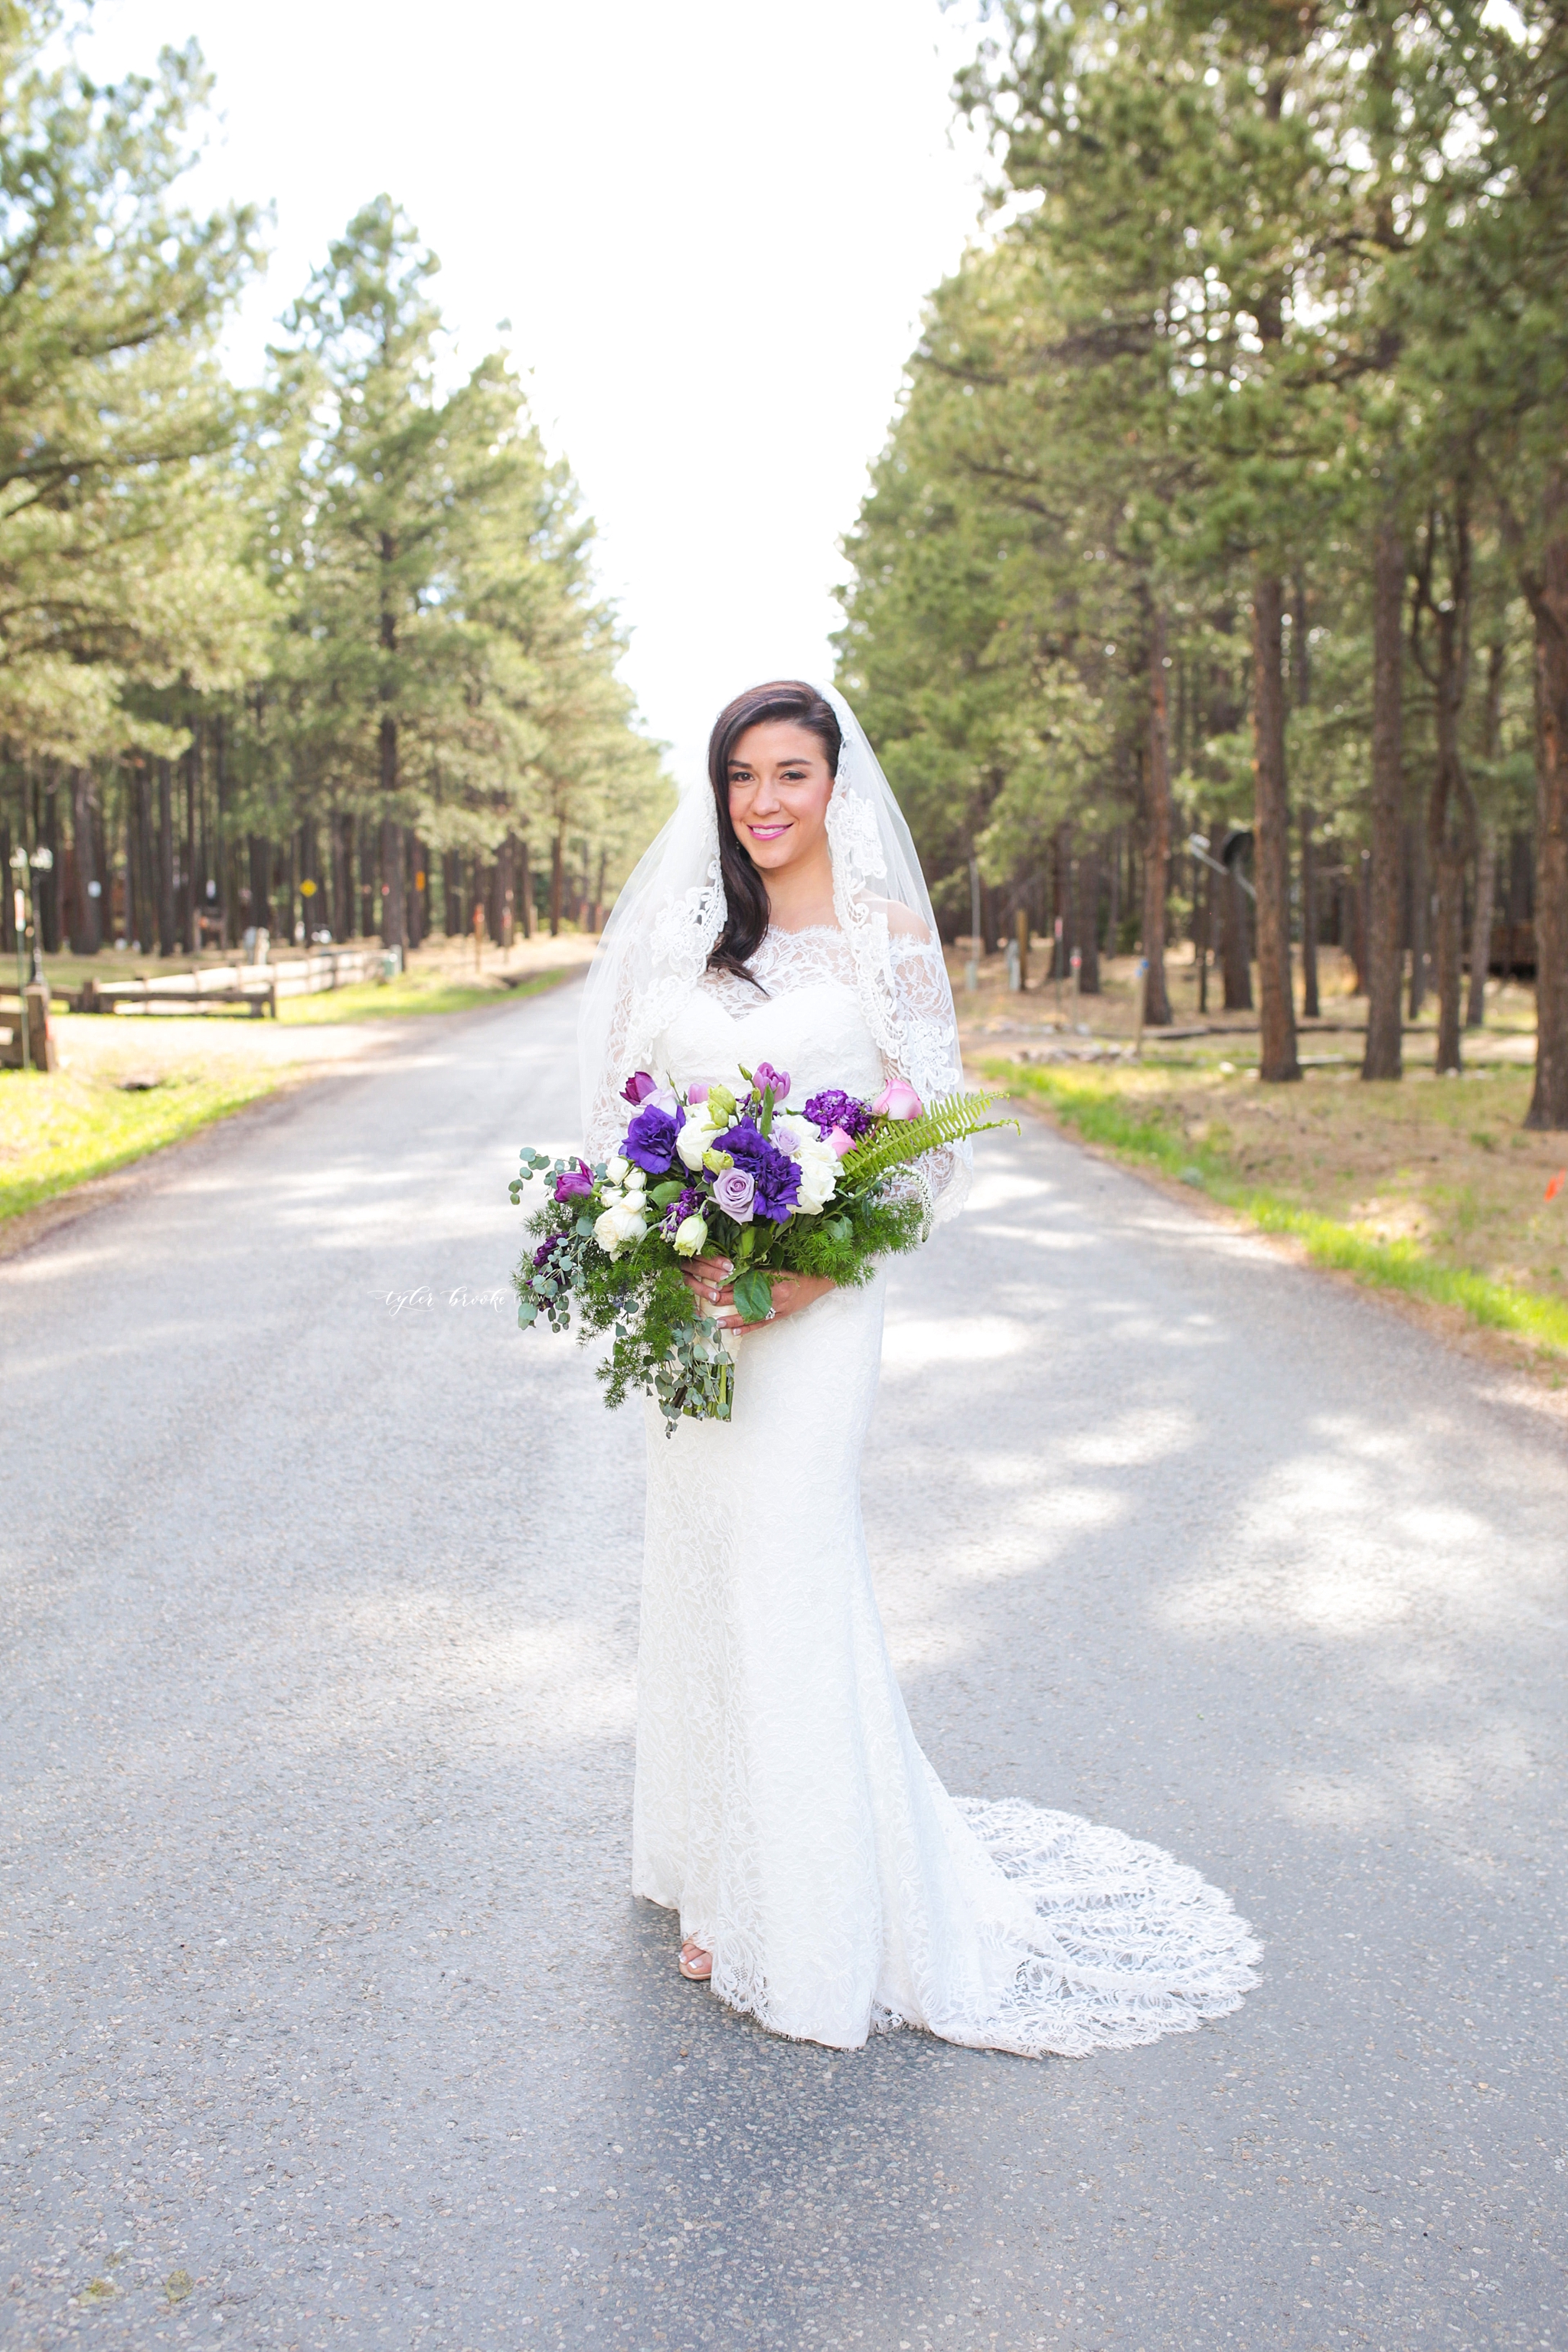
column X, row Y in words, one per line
column 636, row 1179
column 695, row 1136
column 689, row 1237
column 615, row 1168
column 817, row 1162
column 620, row 1226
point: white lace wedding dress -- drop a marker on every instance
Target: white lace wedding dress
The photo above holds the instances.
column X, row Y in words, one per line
column 783, row 1806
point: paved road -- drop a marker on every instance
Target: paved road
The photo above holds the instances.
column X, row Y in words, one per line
column 328, row 2018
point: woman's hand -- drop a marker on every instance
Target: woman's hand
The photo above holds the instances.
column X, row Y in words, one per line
column 711, row 1281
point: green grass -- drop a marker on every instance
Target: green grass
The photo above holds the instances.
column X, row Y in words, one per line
column 60, row 1131
column 1091, row 1111
column 383, row 1000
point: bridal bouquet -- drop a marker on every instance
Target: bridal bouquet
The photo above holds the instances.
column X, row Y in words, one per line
column 733, row 1170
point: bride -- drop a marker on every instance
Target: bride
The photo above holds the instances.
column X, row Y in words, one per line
column 824, row 1880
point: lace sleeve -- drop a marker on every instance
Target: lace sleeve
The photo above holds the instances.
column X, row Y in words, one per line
column 927, row 1056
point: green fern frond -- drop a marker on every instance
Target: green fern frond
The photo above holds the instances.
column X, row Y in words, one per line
column 897, row 1141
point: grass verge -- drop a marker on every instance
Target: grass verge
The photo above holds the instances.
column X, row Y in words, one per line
column 1092, row 1108
column 61, row 1131
column 412, row 992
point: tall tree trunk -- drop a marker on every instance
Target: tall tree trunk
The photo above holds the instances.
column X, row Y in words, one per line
column 147, row 861
column 168, row 936
column 1310, row 1004
column 46, row 885
column 1359, row 891
column 1481, row 928
column 261, row 883
column 85, row 927
column 557, row 881
column 189, row 925
column 394, row 913
column 1277, row 1060
column 1420, row 919
column 1156, row 829
column 1235, row 945
column 1547, row 590
column 1300, row 697
column 1450, row 808
column 225, row 926
column 1486, row 856
column 132, row 880
column 506, row 864
column 1384, row 1057
column 1089, row 919
column 524, row 889
column 418, row 873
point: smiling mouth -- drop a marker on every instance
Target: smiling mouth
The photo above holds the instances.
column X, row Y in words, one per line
column 766, row 832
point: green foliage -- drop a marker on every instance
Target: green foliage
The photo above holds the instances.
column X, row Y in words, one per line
column 662, row 1343
column 895, row 1144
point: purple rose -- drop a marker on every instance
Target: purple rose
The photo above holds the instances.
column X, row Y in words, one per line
column 764, row 1076
column 776, row 1178
column 650, row 1138
column 574, row 1183
column 735, row 1193
column 638, row 1087
column 831, row 1110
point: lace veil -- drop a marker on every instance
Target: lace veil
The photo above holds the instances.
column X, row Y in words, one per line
column 668, row 918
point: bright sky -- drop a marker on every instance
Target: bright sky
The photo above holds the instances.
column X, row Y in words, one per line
column 713, row 227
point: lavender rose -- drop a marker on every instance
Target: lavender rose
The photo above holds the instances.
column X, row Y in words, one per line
column 776, row 1177
column 830, row 1110
column 734, row 1192
column 650, row 1138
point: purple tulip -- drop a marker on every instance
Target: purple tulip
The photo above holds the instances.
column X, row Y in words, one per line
column 574, row 1183
column 734, row 1193
column 898, row 1100
column 764, row 1076
column 638, row 1087
column 698, row 1091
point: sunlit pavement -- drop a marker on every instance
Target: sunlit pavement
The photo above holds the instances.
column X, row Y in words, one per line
column 328, row 2018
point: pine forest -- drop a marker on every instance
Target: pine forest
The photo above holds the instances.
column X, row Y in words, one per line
column 1214, row 580
column 320, row 657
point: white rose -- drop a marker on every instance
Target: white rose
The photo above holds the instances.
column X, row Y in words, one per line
column 618, row 1227
column 636, row 1178
column 689, row 1237
column 818, row 1175
column 694, row 1139
column 615, row 1168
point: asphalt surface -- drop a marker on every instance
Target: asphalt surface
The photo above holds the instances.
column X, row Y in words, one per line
column 327, row 2017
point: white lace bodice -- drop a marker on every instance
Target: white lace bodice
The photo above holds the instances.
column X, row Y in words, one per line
column 807, row 1017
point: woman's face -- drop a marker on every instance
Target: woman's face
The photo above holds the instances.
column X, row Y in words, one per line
column 780, row 785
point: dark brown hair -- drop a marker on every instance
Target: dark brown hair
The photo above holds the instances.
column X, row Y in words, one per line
column 745, row 893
